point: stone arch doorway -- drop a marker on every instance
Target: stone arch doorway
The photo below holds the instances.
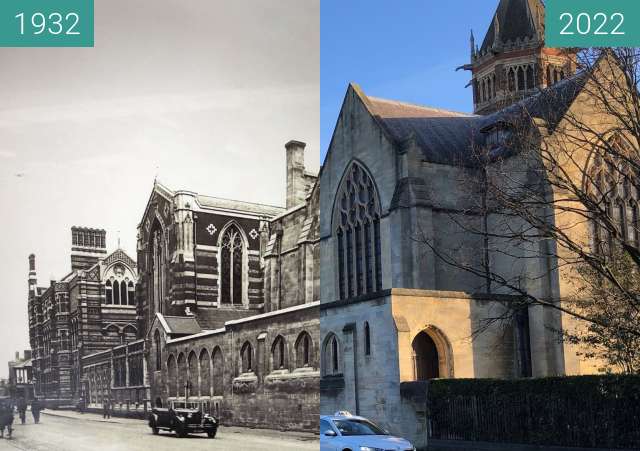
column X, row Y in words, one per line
column 432, row 357
column 425, row 358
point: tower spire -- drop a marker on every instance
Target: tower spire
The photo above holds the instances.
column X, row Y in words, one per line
column 472, row 41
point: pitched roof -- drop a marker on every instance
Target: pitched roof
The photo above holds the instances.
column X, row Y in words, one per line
column 182, row 325
column 214, row 318
column 240, row 206
column 447, row 137
column 515, row 19
column 444, row 136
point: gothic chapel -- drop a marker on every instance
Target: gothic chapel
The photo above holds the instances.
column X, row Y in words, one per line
column 392, row 312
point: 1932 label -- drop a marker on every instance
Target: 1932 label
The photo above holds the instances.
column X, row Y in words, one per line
column 46, row 23
column 55, row 23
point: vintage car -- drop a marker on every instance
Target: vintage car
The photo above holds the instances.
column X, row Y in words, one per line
column 183, row 422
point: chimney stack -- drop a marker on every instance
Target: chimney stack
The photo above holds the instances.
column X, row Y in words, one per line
column 33, row 282
column 27, row 354
column 296, row 185
column 87, row 247
column 17, row 355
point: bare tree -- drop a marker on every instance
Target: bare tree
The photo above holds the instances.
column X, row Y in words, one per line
column 555, row 181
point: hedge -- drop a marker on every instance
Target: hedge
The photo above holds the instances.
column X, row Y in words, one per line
column 582, row 411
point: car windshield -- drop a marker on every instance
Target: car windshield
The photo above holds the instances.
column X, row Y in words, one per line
column 358, row 427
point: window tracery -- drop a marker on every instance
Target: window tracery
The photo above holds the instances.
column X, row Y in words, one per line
column 614, row 186
column 357, row 231
column 232, row 248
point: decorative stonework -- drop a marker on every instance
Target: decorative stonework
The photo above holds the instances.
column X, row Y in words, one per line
column 211, row 229
column 253, row 234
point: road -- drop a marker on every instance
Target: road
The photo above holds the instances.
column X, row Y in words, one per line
column 89, row 432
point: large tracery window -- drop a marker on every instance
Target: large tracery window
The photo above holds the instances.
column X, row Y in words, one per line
column 232, row 255
column 357, row 232
column 158, row 258
column 616, row 188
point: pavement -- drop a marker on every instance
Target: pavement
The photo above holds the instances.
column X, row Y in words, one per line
column 73, row 431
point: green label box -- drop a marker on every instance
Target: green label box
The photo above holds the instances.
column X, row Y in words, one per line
column 46, row 23
column 592, row 23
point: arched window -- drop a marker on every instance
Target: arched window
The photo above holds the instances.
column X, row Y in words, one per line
column 530, row 77
column 172, row 376
column 193, row 375
column 278, row 354
column 331, row 356
column 158, row 257
column 549, row 80
column 232, row 250
column 511, row 76
column 484, row 90
column 493, row 84
column 205, row 373
column 116, row 292
column 521, row 85
column 357, row 232
column 156, row 343
column 246, row 357
column 109, row 292
column 123, row 293
column 614, row 185
column 131, row 293
column 182, row 374
column 303, row 350
column 367, row 339
column 218, row 372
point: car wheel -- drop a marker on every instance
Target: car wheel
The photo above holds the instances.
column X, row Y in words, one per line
column 211, row 434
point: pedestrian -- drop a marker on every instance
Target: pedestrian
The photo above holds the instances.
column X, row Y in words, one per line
column 22, row 409
column 106, row 408
column 36, row 407
column 6, row 418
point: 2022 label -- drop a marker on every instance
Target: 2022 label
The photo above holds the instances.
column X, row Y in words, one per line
column 599, row 24
column 592, row 23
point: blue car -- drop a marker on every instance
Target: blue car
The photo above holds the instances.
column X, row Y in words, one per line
column 345, row 432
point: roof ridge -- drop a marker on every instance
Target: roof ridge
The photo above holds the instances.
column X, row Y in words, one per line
column 425, row 107
column 241, row 201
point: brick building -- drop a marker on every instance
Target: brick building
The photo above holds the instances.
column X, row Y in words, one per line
column 221, row 310
column 229, row 296
column 20, row 383
column 89, row 311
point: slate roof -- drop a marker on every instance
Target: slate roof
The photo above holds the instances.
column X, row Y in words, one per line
column 236, row 205
column 182, row 325
column 444, row 136
column 516, row 19
column 447, row 137
column 214, row 318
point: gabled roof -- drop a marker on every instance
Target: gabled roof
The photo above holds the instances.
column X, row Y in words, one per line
column 443, row 135
column 515, row 19
column 119, row 255
column 240, row 206
column 447, row 137
column 179, row 325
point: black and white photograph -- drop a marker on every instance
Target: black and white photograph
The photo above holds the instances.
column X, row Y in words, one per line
column 160, row 247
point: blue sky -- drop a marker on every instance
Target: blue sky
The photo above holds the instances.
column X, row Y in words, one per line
column 405, row 50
